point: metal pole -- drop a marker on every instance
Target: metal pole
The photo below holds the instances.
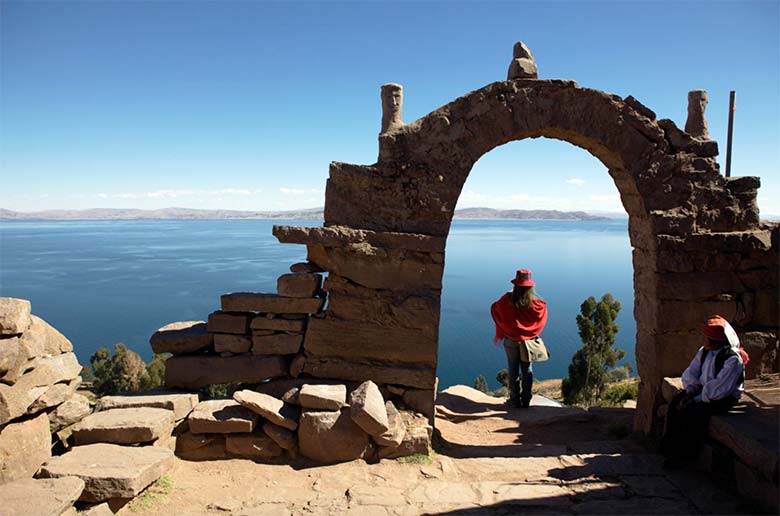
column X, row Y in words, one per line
column 732, row 108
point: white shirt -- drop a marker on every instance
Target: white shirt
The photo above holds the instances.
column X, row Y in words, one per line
column 727, row 383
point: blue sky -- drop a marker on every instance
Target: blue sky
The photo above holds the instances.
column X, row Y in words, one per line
column 242, row 105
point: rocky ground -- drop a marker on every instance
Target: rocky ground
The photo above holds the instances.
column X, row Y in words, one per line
column 488, row 460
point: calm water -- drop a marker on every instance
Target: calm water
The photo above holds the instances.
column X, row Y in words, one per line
column 102, row 282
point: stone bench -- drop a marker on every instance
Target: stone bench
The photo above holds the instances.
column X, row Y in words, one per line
column 748, row 436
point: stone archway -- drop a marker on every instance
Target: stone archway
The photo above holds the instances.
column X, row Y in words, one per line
column 698, row 246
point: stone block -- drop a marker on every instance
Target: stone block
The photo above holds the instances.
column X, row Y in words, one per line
column 306, row 267
column 368, row 409
column 272, row 409
column 180, row 338
column 101, row 509
column 278, row 344
column 42, row 339
column 252, row 446
column 109, row 470
column 270, row 303
column 670, row 387
column 417, row 438
column 690, row 315
column 697, row 285
column 757, row 489
column 221, row 417
column 278, row 324
column 340, row 236
column 755, row 445
column 181, row 403
column 124, row 426
column 194, row 372
column 14, row 316
column 227, row 322
column 299, row 285
column 12, row 358
column 71, row 411
column 42, row 497
column 24, row 446
column 330, row 437
column 361, row 370
column 331, row 337
column 396, row 431
column 55, row 395
column 226, row 342
column 422, row 401
column 286, row 439
column 323, row 397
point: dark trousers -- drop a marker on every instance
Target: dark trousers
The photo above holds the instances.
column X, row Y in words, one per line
column 686, row 426
column 515, row 366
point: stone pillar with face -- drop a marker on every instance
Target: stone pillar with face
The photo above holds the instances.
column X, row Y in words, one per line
column 696, row 125
column 392, row 104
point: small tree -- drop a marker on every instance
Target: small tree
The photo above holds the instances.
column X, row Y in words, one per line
column 588, row 371
column 125, row 371
column 481, row 384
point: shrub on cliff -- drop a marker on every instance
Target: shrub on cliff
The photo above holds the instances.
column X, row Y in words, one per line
column 481, row 383
column 125, row 371
column 590, row 365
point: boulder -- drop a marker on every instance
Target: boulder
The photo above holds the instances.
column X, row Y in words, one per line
column 396, row 428
column 194, row 372
column 299, row 285
column 12, row 358
column 342, row 236
column 278, row 324
column 181, row 337
column 55, row 395
column 323, row 397
column 24, row 446
column 14, row 316
column 368, row 409
column 225, row 322
column 191, row 446
column 359, row 370
column 329, row 437
column 252, row 446
column 109, row 470
column 305, row 267
column 42, row 497
column 181, row 403
column 286, row 439
column 42, row 339
column 124, row 426
column 270, row 303
column 232, row 343
column 416, row 440
column 272, row 409
column 221, row 417
column 278, row 344
column 71, row 411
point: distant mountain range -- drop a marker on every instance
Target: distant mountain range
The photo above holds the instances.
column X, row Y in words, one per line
column 307, row 214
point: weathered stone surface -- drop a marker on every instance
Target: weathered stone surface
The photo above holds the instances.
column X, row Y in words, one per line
column 368, row 409
column 180, row 338
column 24, row 446
column 417, row 438
column 278, row 344
column 256, row 302
column 323, row 397
column 109, row 470
column 339, row 368
column 753, row 440
column 42, row 497
column 194, row 372
column 55, row 395
column 396, row 432
column 71, row 411
column 14, row 316
column 226, row 322
column 522, row 68
column 384, row 309
column 181, row 403
column 278, row 324
column 12, row 358
column 670, row 387
column 696, row 124
column 329, row 437
column 198, row 447
column 299, row 285
column 272, row 409
column 286, row 439
column 422, row 401
column 341, row 236
column 330, row 337
column 297, row 364
column 42, row 339
column 101, row 509
column 305, row 267
column 226, row 342
column 252, row 446
column 124, row 426
column 221, row 417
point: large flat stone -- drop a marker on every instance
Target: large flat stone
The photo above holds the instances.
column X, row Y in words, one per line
column 252, row 446
column 270, row 303
column 232, row 343
column 329, row 437
column 323, row 397
column 14, row 315
column 396, row 432
column 226, row 322
column 221, row 417
column 124, row 426
column 331, row 337
column 299, row 285
column 109, row 470
column 42, row 497
column 42, row 339
column 194, row 372
column 179, row 338
column 286, row 439
column 181, row 403
column 752, row 439
column 361, row 370
column 368, row 409
column 278, row 344
column 278, row 324
column 55, row 395
column 24, row 446
column 272, row 409
column 339, row 236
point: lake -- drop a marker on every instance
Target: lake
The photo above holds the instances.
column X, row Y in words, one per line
column 103, row 282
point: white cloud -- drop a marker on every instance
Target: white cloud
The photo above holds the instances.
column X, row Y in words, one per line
column 576, row 181
column 43, row 196
column 292, row 191
column 102, row 195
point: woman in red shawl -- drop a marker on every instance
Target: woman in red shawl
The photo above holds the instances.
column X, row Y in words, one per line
column 519, row 316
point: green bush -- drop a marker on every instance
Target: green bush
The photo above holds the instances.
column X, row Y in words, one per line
column 481, row 384
column 125, row 371
column 618, row 393
column 502, row 377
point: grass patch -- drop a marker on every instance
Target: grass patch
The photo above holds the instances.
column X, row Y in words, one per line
column 417, row 458
column 155, row 494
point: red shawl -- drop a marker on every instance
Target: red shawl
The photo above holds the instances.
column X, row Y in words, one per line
column 518, row 323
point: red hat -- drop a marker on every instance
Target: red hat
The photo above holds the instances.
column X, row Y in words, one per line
column 523, row 278
column 715, row 328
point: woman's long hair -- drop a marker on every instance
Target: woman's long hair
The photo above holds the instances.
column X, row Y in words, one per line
column 522, row 296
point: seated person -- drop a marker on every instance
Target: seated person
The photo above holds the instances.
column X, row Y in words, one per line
column 713, row 384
